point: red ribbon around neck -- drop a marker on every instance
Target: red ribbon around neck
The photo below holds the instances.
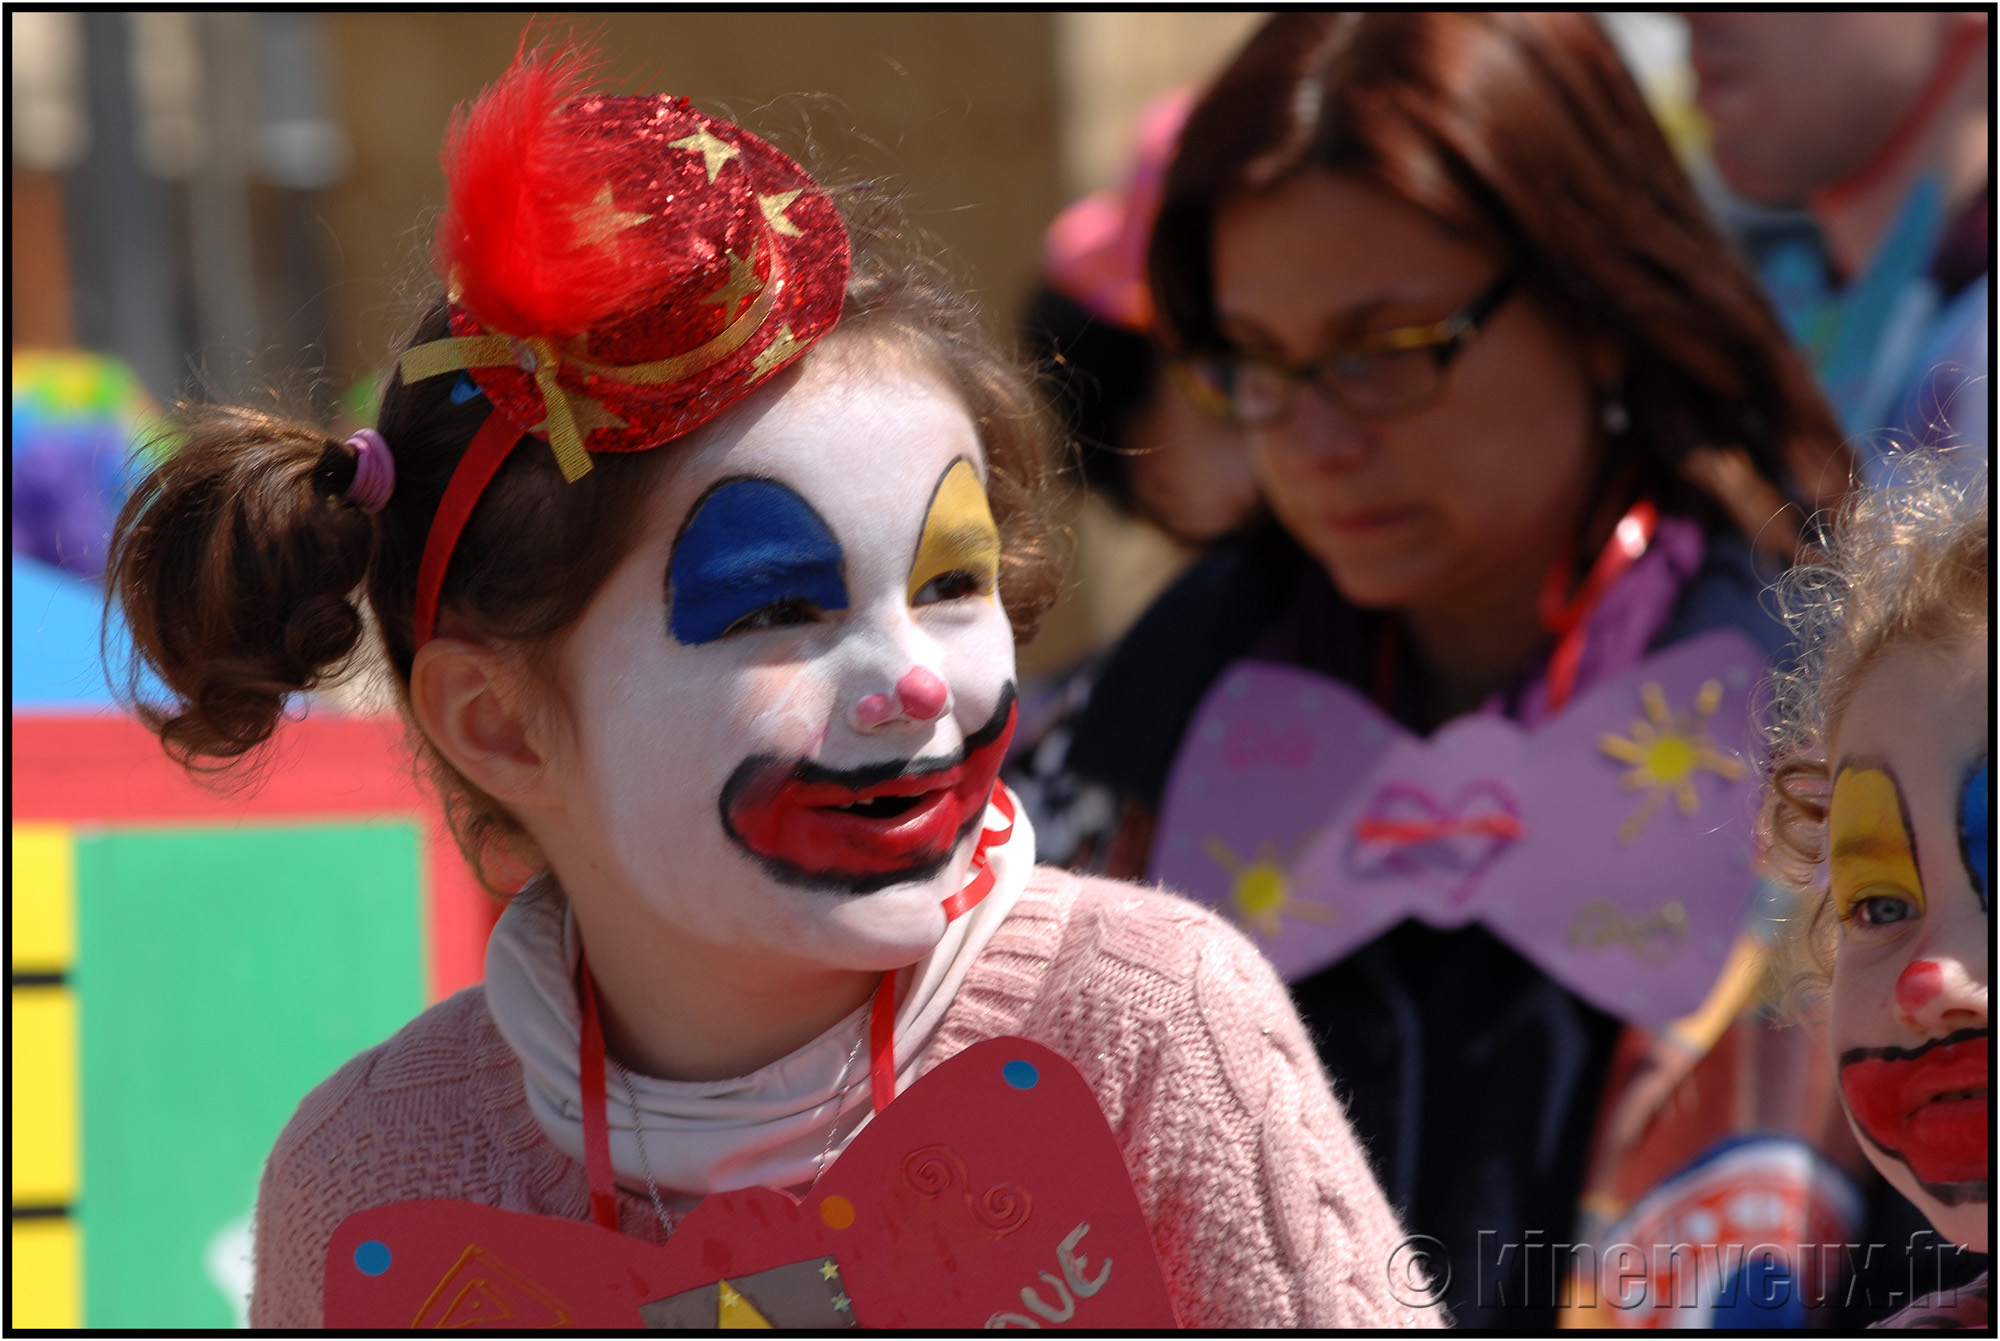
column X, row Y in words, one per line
column 1566, row 618
column 1563, row 617
column 881, row 1030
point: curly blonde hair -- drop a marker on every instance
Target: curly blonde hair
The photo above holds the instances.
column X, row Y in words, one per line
column 1902, row 563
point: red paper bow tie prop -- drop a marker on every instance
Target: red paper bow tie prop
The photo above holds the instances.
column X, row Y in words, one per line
column 993, row 1194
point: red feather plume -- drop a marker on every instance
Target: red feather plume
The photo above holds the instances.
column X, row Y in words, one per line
column 521, row 175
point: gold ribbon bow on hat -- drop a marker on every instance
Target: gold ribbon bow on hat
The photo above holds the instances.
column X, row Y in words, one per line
column 570, row 415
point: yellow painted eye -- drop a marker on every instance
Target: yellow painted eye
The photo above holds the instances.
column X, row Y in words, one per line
column 960, row 541
column 1870, row 859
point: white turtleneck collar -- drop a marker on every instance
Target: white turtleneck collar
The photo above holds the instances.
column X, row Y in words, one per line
column 773, row 1127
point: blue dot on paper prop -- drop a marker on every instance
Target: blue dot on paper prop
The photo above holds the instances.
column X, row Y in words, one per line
column 1021, row 1075
column 371, row 1258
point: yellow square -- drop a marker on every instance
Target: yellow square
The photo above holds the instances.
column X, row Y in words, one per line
column 47, row 1281
column 43, row 917
column 42, row 1071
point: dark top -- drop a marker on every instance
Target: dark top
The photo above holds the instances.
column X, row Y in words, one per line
column 1473, row 1078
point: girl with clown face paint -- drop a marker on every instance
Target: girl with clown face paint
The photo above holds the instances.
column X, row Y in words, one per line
column 698, row 531
column 1880, row 810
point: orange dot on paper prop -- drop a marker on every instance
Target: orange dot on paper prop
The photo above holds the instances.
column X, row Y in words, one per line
column 838, row 1212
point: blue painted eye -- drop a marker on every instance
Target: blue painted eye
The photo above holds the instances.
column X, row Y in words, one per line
column 1975, row 829
column 753, row 554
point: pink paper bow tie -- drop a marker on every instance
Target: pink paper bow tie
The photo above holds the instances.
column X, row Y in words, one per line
column 1611, row 845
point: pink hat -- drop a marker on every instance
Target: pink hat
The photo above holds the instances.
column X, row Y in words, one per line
column 1095, row 251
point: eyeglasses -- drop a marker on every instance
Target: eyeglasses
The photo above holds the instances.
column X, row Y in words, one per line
column 1390, row 373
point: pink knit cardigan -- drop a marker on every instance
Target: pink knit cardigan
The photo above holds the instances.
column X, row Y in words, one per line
column 1260, row 1201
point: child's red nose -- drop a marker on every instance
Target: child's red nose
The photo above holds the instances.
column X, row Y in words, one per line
column 1918, row 986
column 921, row 694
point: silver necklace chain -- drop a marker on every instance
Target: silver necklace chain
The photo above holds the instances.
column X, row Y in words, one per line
column 840, row 1089
column 645, row 1165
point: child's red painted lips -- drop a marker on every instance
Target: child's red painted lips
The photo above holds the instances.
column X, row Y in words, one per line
column 1928, row 1106
column 866, row 828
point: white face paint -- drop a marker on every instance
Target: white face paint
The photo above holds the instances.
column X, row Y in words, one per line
column 791, row 698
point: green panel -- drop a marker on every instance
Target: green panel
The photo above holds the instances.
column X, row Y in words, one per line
column 222, row 973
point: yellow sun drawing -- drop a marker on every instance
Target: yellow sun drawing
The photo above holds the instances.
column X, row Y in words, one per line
column 1666, row 750
column 1260, row 890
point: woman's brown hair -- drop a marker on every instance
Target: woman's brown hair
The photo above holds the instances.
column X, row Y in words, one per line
column 241, row 568
column 1524, row 134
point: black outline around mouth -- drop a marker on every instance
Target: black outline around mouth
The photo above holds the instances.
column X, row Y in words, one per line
column 1895, row 1054
column 1970, row 1191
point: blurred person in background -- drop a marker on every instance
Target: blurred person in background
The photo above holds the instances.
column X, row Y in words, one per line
column 1523, row 425
column 1141, row 446
column 1878, row 124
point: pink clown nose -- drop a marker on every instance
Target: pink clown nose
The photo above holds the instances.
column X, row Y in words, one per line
column 1918, row 986
column 922, row 694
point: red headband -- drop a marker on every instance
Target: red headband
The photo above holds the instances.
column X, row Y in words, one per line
column 621, row 271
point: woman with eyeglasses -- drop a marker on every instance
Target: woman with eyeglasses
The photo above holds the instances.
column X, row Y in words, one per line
column 1462, row 734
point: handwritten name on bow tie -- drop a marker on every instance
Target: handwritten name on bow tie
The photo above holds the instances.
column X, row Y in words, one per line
column 1653, row 938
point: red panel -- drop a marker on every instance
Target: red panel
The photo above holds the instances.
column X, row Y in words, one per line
column 991, row 1192
column 106, row 768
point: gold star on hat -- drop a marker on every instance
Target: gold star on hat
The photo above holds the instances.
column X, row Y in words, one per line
column 742, row 283
column 774, row 213
column 714, row 150
column 776, row 353
column 602, row 221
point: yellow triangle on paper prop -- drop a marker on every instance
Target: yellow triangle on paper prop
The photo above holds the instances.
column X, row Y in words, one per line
column 734, row 1313
column 477, row 1305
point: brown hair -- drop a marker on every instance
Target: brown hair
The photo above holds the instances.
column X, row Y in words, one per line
column 1905, row 563
column 238, row 564
column 1525, row 135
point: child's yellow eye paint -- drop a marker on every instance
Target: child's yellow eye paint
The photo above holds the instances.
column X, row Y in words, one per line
column 959, row 534
column 1869, row 853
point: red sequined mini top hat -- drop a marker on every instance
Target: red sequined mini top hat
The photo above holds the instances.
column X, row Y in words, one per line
column 620, row 271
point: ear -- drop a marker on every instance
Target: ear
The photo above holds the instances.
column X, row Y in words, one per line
column 469, row 700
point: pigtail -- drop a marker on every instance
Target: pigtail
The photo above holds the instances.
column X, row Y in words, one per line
column 235, row 563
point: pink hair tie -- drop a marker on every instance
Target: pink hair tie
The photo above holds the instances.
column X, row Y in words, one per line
column 374, row 471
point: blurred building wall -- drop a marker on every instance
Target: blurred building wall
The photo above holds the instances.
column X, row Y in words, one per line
column 229, row 201
column 1111, row 63
column 962, row 106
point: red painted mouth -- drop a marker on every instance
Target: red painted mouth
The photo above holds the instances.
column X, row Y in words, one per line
column 867, row 828
column 1928, row 1107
